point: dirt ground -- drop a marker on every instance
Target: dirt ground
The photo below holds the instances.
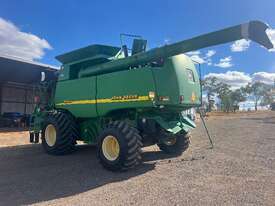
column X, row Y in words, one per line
column 240, row 170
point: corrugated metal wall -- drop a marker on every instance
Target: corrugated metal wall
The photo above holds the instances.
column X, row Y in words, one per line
column 16, row 98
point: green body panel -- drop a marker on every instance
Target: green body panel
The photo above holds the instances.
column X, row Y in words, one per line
column 189, row 89
column 163, row 77
column 137, row 82
column 172, row 82
column 105, row 93
column 75, row 90
column 99, row 96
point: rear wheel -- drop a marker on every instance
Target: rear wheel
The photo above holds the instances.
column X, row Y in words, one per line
column 119, row 146
column 174, row 144
column 59, row 134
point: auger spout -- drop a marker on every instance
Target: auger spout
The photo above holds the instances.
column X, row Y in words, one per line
column 253, row 30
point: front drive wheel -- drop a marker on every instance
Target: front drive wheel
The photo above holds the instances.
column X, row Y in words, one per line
column 175, row 144
column 119, row 147
column 59, row 134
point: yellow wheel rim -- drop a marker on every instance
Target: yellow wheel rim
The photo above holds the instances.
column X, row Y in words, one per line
column 171, row 141
column 110, row 148
column 50, row 135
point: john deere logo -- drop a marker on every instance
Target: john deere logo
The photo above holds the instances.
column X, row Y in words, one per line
column 193, row 97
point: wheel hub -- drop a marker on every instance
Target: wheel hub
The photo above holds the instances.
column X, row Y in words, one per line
column 170, row 141
column 50, row 135
column 110, row 148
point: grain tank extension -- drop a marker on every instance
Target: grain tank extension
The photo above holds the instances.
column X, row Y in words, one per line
column 122, row 102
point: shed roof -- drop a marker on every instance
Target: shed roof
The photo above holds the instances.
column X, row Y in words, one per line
column 13, row 69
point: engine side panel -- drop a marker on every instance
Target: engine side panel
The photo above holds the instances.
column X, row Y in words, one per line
column 166, row 84
column 188, row 80
column 178, row 77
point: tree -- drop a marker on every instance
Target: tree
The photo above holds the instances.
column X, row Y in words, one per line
column 229, row 99
column 224, row 93
column 237, row 96
column 267, row 98
column 209, row 86
column 259, row 91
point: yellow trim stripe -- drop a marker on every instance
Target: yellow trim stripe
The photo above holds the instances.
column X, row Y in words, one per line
column 102, row 101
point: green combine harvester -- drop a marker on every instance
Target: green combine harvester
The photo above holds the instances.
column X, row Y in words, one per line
column 121, row 102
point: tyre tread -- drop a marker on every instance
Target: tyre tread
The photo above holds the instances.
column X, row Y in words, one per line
column 132, row 150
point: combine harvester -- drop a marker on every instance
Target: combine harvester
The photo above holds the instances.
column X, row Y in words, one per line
column 122, row 102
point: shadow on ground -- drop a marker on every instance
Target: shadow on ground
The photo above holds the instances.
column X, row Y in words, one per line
column 265, row 120
column 13, row 129
column 28, row 175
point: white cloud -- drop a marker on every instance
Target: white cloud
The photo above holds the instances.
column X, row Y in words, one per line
column 235, row 79
column 200, row 58
column 265, row 77
column 210, row 53
column 197, row 59
column 240, row 45
column 238, row 79
column 209, row 62
column 16, row 43
column 225, row 62
column 271, row 35
column 208, row 56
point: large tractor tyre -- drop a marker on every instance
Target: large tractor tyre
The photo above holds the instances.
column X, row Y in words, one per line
column 175, row 144
column 119, row 146
column 60, row 133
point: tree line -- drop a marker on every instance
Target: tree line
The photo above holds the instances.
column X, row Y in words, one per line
column 259, row 92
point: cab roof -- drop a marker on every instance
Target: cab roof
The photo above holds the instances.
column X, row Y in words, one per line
column 95, row 51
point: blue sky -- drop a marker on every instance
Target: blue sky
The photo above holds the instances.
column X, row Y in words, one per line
column 65, row 25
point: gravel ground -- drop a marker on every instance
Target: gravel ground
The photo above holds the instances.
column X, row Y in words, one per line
column 240, row 170
column 13, row 137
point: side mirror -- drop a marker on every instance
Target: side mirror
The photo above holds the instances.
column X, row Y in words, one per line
column 43, row 76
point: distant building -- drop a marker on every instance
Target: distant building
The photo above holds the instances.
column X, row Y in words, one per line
column 250, row 106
